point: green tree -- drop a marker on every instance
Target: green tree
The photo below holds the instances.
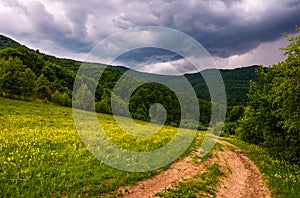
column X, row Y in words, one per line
column 83, row 98
column 61, row 98
column 231, row 123
column 43, row 87
column 29, row 84
column 16, row 79
column 272, row 116
column 48, row 72
column 11, row 76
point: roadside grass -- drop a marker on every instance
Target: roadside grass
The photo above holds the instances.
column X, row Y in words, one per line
column 42, row 155
column 281, row 177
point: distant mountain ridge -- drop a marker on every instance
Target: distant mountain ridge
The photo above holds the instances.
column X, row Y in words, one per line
column 236, row 80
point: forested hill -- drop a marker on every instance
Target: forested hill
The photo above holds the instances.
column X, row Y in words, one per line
column 7, row 42
column 236, row 83
column 236, row 80
column 27, row 74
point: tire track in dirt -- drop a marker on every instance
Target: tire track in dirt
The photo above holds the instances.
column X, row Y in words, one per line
column 243, row 178
column 177, row 172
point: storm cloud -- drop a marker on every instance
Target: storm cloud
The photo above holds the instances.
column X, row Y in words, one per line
column 228, row 29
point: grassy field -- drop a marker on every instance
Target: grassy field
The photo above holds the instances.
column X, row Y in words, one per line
column 42, row 155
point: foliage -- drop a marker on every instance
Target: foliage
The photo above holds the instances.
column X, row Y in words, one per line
column 16, row 79
column 272, row 116
column 43, row 87
column 231, row 122
column 83, row 98
column 236, row 83
column 7, row 42
column 62, row 99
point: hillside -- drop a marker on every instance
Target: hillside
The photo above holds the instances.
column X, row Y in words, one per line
column 7, row 42
column 236, row 84
column 47, row 77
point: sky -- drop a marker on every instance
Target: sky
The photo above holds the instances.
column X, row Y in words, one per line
column 236, row 33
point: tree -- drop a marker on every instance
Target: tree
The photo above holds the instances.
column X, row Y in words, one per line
column 61, row 99
column 11, row 76
column 43, row 87
column 48, row 72
column 16, row 79
column 272, row 116
column 83, row 98
column 28, row 87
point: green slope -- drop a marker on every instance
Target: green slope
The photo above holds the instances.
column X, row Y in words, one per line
column 236, row 83
column 47, row 77
column 8, row 42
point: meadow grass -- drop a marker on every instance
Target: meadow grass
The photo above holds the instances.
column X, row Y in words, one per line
column 281, row 177
column 42, row 155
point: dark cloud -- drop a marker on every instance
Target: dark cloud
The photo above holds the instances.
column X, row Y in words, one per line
column 227, row 28
column 155, row 60
column 147, row 55
column 224, row 27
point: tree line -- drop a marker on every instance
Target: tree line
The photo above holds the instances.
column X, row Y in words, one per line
column 271, row 118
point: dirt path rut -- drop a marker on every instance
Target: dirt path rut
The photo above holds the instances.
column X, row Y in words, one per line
column 149, row 187
column 244, row 179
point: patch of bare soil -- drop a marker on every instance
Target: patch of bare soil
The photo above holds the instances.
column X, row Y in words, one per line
column 177, row 172
column 243, row 178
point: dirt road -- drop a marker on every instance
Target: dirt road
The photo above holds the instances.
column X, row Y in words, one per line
column 243, row 179
column 149, row 187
